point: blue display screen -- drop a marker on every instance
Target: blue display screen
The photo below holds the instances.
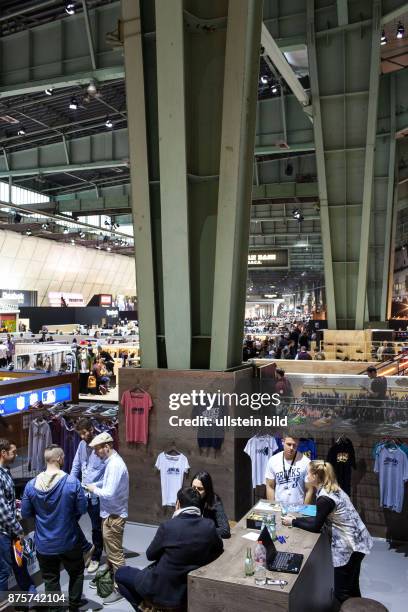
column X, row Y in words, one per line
column 11, row 404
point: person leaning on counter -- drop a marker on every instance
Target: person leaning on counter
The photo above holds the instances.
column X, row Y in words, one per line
column 285, row 475
column 350, row 540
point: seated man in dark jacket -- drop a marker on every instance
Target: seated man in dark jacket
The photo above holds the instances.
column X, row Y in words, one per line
column 182, row 544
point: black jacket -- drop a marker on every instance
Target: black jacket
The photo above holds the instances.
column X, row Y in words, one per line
column 181, row 545
column 218, row 516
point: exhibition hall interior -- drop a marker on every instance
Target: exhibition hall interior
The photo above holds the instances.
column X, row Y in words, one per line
column 204, row 305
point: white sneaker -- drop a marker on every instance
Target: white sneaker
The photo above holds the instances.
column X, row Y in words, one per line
column 92, row 567
column 88, row 556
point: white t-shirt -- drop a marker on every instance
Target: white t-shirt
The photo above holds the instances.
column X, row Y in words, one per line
column 290, row 490
column 260, row 448
column 172, row 469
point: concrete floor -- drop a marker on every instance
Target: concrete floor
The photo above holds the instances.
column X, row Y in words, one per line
column 384, row 575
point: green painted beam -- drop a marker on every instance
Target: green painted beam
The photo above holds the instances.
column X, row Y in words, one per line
column 135, row 91
column 291, row 148
column 58, row 82
column 114, row 163
column 173, row 183
column 235, row 183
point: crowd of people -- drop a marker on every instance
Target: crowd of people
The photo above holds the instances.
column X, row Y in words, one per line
column 289, row 341
column 98, row 484
column 192, row 538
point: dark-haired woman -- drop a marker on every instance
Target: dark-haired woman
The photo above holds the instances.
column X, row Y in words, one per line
column 211, row 504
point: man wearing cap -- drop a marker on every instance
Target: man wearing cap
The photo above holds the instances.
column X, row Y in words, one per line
column 113, row 493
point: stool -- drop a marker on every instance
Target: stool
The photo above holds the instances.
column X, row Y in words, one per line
column 362, row 604
column 148, row 606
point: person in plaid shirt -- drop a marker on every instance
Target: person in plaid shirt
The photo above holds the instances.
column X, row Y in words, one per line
column 10, row 528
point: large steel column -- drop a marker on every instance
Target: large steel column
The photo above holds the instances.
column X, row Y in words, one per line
column 140, row 182
column 200, row 68
column 369, row 164
column 321, row 169
column 388, row 242
column 235, row 183
column 173, row 182
column 348, row 93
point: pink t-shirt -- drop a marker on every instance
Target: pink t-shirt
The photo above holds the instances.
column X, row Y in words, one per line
column 137, row 405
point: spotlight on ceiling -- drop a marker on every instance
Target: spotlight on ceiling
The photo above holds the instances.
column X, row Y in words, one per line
column 72, row 241
column 108, row 123
column 73, row 105
column 264, row 79
column 45, row 226
column 82, row 234
column 98, row 246
column 65, row 230
column 21, row 131
column 29, row 232
column 49, row 91
column 108, row 248
column 70, row 8
column 297, row 214
column 400, row 30
column 384, row 39
column 274, row 89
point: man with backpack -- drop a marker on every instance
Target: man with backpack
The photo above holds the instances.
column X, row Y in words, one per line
column 55, row 500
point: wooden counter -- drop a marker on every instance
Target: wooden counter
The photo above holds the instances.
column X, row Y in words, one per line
column 223, row 587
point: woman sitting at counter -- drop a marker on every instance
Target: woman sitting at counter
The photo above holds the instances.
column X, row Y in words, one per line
column 211, row 504
column 350, row 540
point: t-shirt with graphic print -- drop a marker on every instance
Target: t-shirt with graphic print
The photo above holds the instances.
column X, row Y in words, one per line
column 392, row 467
column 172, row 469
column 260, row 448
column 290, row 479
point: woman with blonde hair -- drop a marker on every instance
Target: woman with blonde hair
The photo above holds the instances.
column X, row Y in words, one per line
column 350, row 540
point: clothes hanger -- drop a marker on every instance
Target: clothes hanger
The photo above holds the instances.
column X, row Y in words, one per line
column 173, row 451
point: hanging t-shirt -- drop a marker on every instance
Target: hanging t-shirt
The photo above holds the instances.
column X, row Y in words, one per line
column 342, row 457
column 392, row 467
column 210, row 435
column 137, row 406
column 308, row 447
column 172, row 469
column 260, row 449
column 290, row 479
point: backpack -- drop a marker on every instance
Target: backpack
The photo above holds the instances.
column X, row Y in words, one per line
column 104, row 582
column 91, row 382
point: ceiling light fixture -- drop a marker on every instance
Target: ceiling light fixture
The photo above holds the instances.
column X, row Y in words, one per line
column 108, row 123
column 73, row 105
column 384, row 39
column 45, row 226
column 92, row 89
column 108, row 249
column 21, row 131
column 70, row 8
column 274, row 89
column 98, row 247
column 82, row 234
column 49, row 91
column 264, row 79
column 29, row 232
column 65, row 230
column 400, row 30
column 72, row 241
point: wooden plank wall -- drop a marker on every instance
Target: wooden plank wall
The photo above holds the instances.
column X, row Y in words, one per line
column 145, row 491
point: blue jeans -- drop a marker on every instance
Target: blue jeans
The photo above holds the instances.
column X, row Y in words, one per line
column 8, row 566
column 96, row 522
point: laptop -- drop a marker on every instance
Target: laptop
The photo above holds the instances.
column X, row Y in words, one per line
column 277, row 561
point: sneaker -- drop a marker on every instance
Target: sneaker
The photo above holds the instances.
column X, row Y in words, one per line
column 113, row 598
column 88, row 555
column 92, row 584
column 93, row 566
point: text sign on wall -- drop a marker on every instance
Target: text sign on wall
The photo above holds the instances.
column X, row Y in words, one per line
column 11, row 404
column 276, row 258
